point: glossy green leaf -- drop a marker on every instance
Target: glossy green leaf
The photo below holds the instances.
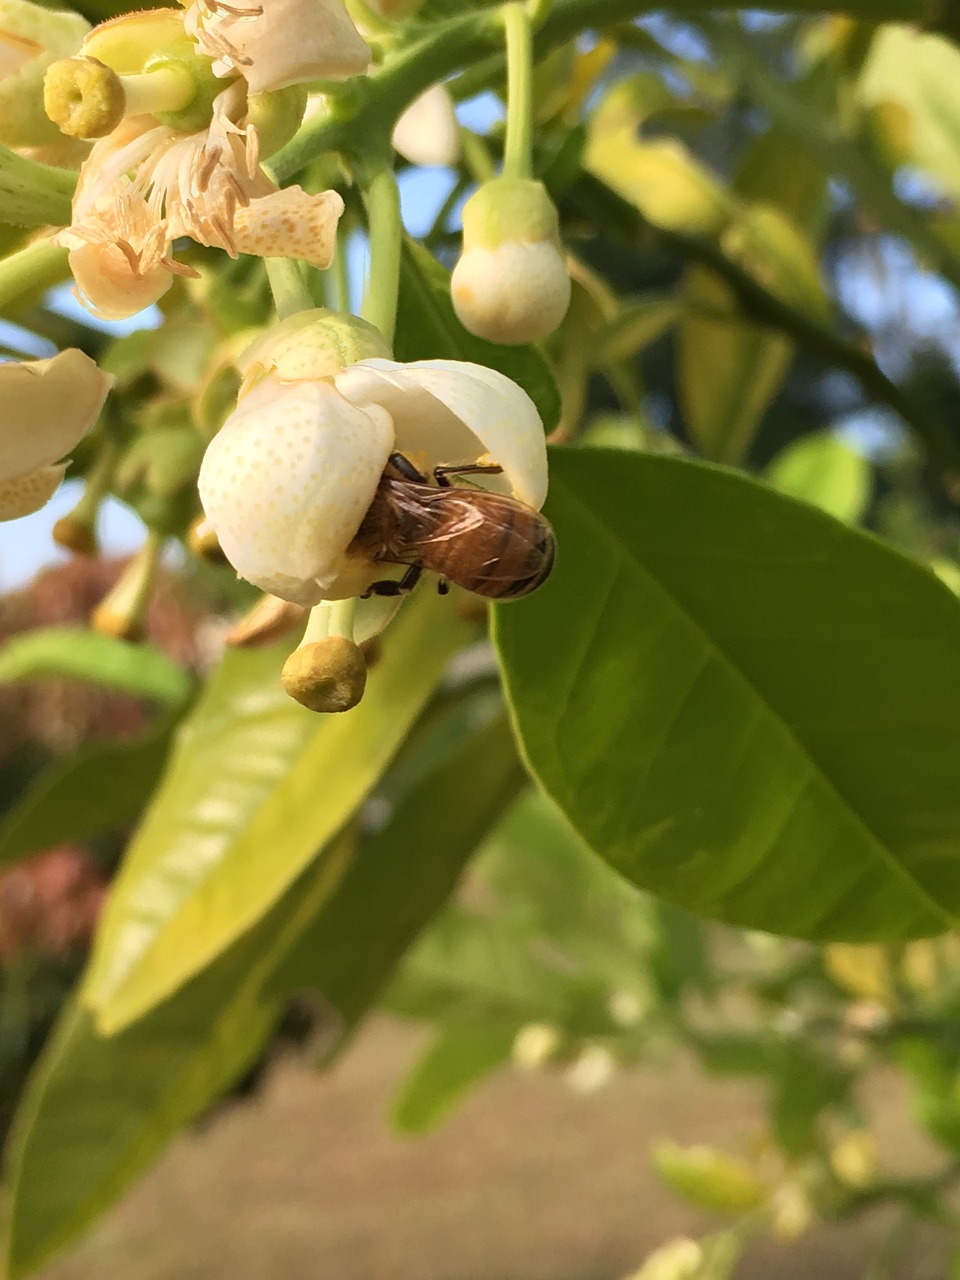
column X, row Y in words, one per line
column 741, row 703
column 428, row 329
column 822, row 469
column 99, row 788
column 98, row 1110
column 98, row 659
column 404, row 873
column 457, row 1059
column 256, row 786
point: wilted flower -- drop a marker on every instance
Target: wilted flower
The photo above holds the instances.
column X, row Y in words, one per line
column 511, row 283
column 275, row 43
column 292, row 472
column 146, row 184
column 48, row 407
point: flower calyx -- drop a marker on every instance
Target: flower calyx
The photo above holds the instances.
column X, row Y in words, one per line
column 511, row 283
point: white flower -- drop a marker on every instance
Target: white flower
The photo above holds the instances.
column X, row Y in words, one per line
column 48, row 407
column 145, row 184
column 275, row 43
column 292, row 472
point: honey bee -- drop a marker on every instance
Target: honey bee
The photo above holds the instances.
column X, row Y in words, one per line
column 486, row 542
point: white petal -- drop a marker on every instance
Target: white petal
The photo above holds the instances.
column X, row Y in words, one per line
column 428, row 133
column 25, row 494
column 288, row 479
column 47, row 407
column 449, row 411
column 517, row 292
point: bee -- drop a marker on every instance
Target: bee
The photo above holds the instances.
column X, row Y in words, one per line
column 486, row 542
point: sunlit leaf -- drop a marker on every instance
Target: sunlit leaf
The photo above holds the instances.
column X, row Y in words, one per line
column 823, row 470
column 256, row 786
column 753, row 709
column 457, row 1059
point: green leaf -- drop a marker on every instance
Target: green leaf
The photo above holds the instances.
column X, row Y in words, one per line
column 741, row 703
column 99, row 788
column 638, row 322
column 97, row 1111
column 403, row 874
column 98, row 659
column 256, row 786
column 428, row 329
column 458, row 1058
column 823, row 470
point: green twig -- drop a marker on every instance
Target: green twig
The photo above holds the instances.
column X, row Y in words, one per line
column 33, row 269
column 382, row 199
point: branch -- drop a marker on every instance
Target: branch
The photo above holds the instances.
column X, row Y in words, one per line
column 759, row 305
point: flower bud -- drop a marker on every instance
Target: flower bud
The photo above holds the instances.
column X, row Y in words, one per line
column 511, row 284
column 31, row 38
column 678, row 1259
column 327, row 675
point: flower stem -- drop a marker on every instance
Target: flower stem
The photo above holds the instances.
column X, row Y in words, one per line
column 289, row 289
column 517, row 148
column 382, row 199
column 31, row 270
column 342, row 617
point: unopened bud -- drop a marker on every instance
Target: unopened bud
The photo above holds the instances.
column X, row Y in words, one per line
column 327, row 675
column 270, row 619
column 511, row 284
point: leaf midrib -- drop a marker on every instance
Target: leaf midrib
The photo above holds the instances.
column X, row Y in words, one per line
column 886, row 855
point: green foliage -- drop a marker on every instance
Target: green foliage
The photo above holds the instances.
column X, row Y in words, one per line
column 285, row 783
column 727, row 653
column 97, row 659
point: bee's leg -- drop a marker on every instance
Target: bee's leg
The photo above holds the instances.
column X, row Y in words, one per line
column 442, row 474
column 402, row 464
column 394, row 586
column 443, row 587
